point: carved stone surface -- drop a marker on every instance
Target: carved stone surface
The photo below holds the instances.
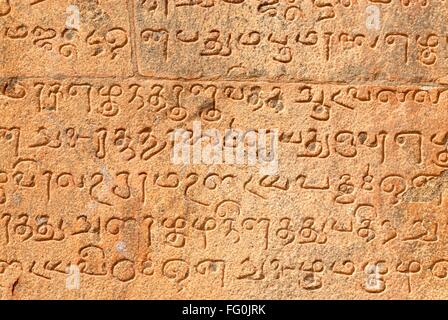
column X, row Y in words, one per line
column 350, row 96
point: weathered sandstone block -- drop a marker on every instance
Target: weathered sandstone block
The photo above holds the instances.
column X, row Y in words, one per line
column 223, row 149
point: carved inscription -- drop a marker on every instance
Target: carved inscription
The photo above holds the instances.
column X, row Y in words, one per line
column 346, row 100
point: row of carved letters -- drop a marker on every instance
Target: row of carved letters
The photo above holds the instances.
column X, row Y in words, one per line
column 108, row 188
column 310, row 274
column 145, row 143
column 69, row 43
column 290, row 10
column 226, row 226
column 172, row 99
column 224, row 43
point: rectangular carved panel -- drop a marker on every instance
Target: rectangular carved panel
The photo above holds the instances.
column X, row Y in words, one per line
column 292, row 40
column 65, row 38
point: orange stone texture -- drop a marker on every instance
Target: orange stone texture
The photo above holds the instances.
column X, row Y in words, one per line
column 93, row 204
